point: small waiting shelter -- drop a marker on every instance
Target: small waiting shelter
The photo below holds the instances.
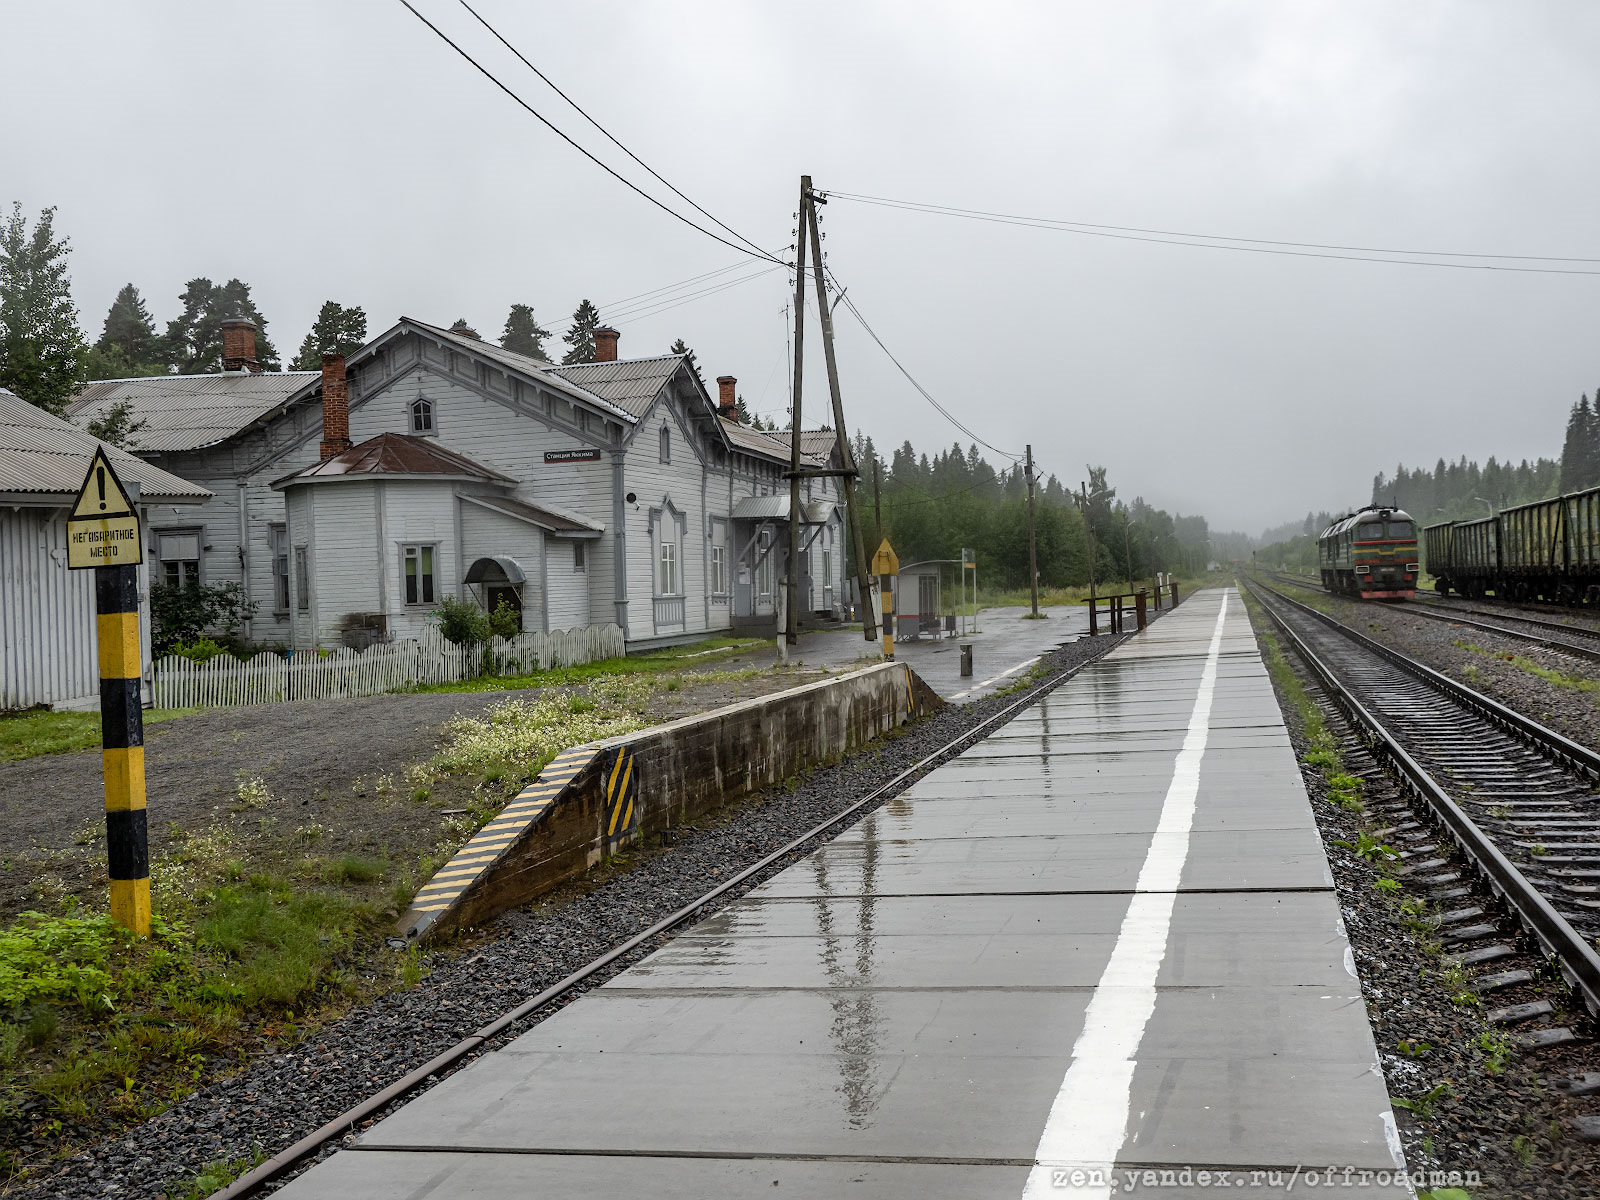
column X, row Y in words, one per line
column 920, row 599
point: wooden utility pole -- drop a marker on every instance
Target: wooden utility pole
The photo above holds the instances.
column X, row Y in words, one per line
column 1033, row 553
column 791, row 630
column 846, row 456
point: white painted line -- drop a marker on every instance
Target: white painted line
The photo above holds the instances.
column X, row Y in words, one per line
column 1089, row 1119
column 996, row 679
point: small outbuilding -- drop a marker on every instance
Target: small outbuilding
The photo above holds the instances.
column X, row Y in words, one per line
column 48, row 652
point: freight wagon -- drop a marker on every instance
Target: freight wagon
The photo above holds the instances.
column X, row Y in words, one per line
column 1547, row 550
column 1371, row 554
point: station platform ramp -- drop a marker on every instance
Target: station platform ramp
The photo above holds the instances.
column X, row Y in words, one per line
column 1099, row 953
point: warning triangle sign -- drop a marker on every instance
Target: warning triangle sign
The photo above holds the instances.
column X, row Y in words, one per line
column 102, row 494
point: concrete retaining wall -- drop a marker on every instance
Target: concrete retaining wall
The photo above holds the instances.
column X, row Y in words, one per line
column 593, row 800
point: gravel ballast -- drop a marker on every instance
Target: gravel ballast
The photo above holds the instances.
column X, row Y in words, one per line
column 277, row 1100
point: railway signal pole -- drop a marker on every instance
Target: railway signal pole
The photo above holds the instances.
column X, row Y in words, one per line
column 791, row 630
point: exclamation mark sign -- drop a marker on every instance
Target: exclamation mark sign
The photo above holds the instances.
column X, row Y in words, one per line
column 100, row 482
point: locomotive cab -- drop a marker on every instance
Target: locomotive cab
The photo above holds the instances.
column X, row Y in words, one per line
column 1371, row 554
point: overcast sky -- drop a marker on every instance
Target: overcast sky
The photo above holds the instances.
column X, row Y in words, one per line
column 340, row 150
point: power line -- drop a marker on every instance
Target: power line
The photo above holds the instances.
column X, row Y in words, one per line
column 492, row 78
column 1160, row 237
column 926, row 395
column 607, row 132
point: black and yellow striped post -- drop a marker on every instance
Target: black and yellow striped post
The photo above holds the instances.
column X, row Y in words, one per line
column 886, row 565
column 104, row 535
column 122, row 740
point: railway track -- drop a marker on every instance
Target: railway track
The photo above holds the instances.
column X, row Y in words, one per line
column 1487, row 803
column 1578, row 641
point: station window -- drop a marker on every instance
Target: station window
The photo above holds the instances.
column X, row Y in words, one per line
column 666, row 444
column 302, row 579
column 179, row 551
column 421, row 415
column 719, row 571
column 419, row 575
column 580, row 556
column 278, row 543
column 668, row 582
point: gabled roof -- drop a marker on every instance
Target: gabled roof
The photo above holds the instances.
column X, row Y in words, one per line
column 554, row 519
column 631, row 384
column 43, row 454
column 190, row 412
column 396, row 454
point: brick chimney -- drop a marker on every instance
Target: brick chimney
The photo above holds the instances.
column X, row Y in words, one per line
column 727, row 402
column 335, row 407
column 605, row 344
column 239, row 345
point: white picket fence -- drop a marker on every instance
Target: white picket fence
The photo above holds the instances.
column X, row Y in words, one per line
column 268, row 678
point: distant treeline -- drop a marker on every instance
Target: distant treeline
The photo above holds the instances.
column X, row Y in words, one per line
column 931, row 508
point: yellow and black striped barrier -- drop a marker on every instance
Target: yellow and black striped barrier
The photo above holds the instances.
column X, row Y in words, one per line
column 116, row 593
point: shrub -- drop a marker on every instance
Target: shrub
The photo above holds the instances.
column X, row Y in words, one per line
column 462, row 621
column 506, row 619
column 180, row 615
column 202, row 649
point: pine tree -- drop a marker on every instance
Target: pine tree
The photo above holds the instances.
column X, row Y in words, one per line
column 679, row 347
column 193, row 341
column 41, row 346
column 1589, row 472
column 742, row 413
column 337, row 329
column 523, row 334
column 580, row 338
column 130, row 330
column 1575, row 447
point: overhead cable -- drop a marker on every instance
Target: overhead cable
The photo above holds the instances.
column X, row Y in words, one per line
column 1207, row 241
column 609, row 170
column 612, row 139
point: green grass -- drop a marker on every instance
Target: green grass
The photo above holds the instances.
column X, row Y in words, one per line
column 1560, row 679
column 1021, row 597
column 35, row 732
column 674, row 660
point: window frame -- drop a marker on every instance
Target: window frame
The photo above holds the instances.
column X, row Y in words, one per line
column 719, row 572
column 425, row 554
column 302, row 578
column 197, row 575
column 664, row 448
column 278, row 549
column 421, row 407
column 668, row 577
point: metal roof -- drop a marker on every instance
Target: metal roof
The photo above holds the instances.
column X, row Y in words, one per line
column 776, row 508
column 508, row 570
column 189, row 412
column 631, row 384
column 41, row 453
column 816, row 445
column 556, row 521
column 396, row 454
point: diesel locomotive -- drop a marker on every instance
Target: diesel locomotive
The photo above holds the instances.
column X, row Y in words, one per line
column 1371, row 554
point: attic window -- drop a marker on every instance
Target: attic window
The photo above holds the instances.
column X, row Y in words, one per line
column 666, row 444
column 421, row 415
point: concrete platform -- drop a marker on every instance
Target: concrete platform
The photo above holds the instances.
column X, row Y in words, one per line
column 1103, row 941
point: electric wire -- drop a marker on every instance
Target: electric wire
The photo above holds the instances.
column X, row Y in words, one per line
column 607, row 168
column 1217, row 242
column 612, row 139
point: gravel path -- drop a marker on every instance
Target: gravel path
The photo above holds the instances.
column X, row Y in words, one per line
column 275, row 1101
column 319, row 759
column 1510, row 1127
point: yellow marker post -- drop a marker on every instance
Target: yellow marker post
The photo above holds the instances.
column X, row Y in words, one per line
column 886, row 565
column 103, row 534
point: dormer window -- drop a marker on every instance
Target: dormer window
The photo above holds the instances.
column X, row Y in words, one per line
column 666, row 444
column 421, row 415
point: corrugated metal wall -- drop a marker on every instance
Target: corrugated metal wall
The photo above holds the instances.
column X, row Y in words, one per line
column 47, row 644
column 47, row 631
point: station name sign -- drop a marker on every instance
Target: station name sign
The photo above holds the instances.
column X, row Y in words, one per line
column 103, row 525
column 566, row 456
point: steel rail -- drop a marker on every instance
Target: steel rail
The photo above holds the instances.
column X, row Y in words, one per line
column 1507, row 613
column 285, row 1160
column 1421, row 609
column 1578, row 961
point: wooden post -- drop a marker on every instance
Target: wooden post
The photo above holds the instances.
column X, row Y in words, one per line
column 791, row 628
column 1033, row 554
column 847, row 458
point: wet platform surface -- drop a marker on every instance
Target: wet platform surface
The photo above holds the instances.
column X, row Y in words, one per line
column 1103, row 941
